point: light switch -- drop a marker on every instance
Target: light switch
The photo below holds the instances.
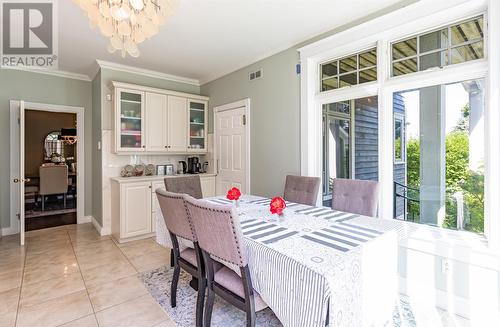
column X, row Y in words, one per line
column 98, row 145
column 108, row 97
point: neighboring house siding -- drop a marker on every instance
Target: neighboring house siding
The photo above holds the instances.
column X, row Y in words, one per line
column 366, row 139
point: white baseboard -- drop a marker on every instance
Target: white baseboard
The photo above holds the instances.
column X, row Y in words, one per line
column 9, row 231
column 101, row 230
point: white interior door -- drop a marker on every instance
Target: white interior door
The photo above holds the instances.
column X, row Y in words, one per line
column 21, row 178
column 231, row 142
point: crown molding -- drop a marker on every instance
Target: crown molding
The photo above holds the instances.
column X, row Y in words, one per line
column 146, row 72
column 58, row 73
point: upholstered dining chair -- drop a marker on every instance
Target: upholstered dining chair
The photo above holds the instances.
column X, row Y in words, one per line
column 355, row 196
column 179, row 225
column 301, row 189
column 190, row 185
column 53, row 181
column 219, row 236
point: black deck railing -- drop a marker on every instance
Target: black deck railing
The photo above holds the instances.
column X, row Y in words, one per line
column 402, row 191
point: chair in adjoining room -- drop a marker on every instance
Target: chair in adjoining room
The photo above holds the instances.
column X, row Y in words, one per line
column 190, row 185
column 355, row 196
column 53, row 181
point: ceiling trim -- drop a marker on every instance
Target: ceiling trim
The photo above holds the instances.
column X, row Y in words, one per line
column 58, row 73
column 146, row 72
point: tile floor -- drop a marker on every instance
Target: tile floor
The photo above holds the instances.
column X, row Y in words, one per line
column 72, row 276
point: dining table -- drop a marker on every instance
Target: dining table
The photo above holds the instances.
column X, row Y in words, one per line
column 315, row 266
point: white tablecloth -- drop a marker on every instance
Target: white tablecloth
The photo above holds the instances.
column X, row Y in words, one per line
column 315, row 264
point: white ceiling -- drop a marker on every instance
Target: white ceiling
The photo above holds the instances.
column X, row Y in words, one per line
column 206, row 39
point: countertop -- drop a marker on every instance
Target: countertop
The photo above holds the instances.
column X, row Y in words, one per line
column 155, row 178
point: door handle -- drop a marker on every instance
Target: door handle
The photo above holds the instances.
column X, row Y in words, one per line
column 18, row 180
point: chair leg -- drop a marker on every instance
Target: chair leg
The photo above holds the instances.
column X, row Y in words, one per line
column 173, row 290
column 209, row 305
column 250, row 318
column 172, row 258
column 64, row 200
column 43, row 202
column 199, row 301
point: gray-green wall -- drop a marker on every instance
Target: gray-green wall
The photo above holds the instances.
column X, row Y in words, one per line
column 96, row 153
column 274, row 117
column 35, row 87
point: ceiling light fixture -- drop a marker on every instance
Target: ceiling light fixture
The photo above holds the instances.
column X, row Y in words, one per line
column 127, row 22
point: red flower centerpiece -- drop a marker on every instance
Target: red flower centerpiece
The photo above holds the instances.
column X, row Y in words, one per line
column 234, row 195
column 277, row 206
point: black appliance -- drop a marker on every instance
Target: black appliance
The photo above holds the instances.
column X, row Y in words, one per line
column 194, row 166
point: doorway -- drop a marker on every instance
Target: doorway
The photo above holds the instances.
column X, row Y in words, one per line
column 232, row 146
column 46, row 158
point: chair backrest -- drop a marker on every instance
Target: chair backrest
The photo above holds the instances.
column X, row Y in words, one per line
column 355, row 196
column 190, row 185
column 53, row 179
column 175, row 214
column 301, row 189
column 219, row 233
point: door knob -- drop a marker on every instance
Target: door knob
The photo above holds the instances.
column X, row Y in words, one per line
column 17, row 180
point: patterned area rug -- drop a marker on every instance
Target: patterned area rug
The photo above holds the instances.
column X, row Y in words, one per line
column 158, row 284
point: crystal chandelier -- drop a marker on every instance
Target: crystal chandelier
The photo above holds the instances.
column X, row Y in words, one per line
column 127, row 22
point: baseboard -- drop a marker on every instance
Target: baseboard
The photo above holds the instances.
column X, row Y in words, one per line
column 101, row 230
column 9, row 231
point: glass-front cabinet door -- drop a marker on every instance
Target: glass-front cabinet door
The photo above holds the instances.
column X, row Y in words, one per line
column 197, row 131
column 130, row 120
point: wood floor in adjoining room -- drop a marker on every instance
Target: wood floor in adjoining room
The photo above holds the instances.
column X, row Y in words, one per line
column 72, row 276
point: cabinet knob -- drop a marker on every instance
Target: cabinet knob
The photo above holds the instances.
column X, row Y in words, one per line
column 166, row 147
column 143, row 146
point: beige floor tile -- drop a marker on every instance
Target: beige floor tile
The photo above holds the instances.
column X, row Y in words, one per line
column 166, row 323
column 86, row 226
column 143, row 312
column 49, row 247
column 46, row 231
column 56, row 312
column 140, row 248
column 8, row 301
column 150, row 261
column 10, row 279
column 59, row 257
column 108, row 272
column 8, row 319
column 86, row 236
column 99, row 259
column 32, row 294
column 88, row 321
column 46, row 271
column 85, row 249
column 10, row 242
column 11, row 260
column 110, row 294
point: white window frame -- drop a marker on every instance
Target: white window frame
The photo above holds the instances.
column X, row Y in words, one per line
column 409, row 21
column 399, row 117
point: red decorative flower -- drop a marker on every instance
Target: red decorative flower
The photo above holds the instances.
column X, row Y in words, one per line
column 277, row 205
column 233, row 194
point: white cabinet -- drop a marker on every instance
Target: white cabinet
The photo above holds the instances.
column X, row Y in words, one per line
column 129, row 120
column 197, row 126
column 135, row 209
column 134, row 205
column 156, row 120
column 177, row 124
column 207, row 186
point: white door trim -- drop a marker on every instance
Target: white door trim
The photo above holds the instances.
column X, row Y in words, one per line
column 14, row 156
column 245, row 103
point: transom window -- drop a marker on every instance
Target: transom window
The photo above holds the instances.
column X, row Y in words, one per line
column 451, row 45
column 352, row 70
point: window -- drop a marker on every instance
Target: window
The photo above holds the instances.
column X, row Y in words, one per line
column 352, row 70
column 350, row 142
column 447, row 46
column 442, row 182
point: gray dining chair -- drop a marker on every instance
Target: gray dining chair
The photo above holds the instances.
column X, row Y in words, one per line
column 355, row 196
column 53, row 181
column 179, row 224
column 301, row 189
column 190, row 185
column 219, row 236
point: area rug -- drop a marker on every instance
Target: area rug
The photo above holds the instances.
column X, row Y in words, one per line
column 158, row 283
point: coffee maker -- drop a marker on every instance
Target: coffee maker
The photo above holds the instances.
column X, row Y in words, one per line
column 194, row 166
